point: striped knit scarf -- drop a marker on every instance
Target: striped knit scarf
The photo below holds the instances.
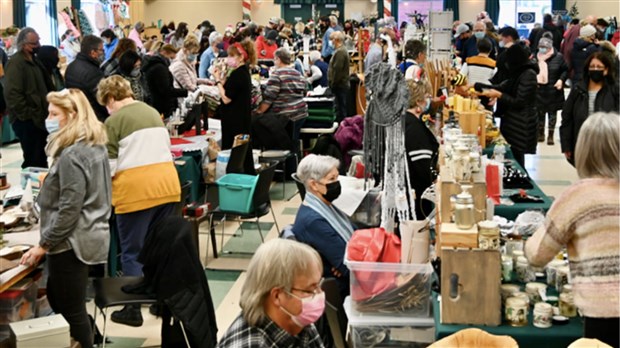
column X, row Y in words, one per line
column 334, row 216
column 384, row 142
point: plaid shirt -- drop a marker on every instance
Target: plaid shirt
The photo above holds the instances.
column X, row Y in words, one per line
column 268, row 335
column 299, row 45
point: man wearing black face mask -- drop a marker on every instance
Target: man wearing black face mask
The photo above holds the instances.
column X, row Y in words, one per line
column 318, row 222
column 25, row 89
column 597, row 92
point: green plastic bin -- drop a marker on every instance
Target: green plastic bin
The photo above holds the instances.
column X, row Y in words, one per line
column 236, row 192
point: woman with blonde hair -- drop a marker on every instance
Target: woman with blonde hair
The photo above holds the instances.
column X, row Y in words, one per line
column 585, row 220
column 183, row 68
column 75, row 202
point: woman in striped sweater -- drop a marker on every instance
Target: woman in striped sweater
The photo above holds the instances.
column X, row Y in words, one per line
column 585, row 219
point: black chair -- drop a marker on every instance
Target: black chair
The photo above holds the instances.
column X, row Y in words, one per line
column 261, row 202
column 334, row 311
column 300, row 186
column 238, row 161
column 109, row 293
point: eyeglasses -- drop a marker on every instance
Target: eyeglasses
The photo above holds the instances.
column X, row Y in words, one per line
column 596, row 68
column 310, row 293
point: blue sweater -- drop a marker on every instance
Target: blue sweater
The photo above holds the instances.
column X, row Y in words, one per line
column 312, row 229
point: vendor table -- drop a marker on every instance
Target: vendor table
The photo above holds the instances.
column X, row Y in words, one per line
column 12, row 276
column 511, row 212
column 526, row 336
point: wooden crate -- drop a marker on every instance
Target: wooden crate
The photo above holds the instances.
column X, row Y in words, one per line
column 447, row 187
column 452, row 236
column 476, row 300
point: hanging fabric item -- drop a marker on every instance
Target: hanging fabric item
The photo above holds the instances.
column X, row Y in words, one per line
column 101, row 19
column 384, row 142
column 67, row 20
column 85, row 26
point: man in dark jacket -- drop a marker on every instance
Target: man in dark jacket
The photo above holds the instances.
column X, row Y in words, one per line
column 520, row 118
column 26, row 87
column 583, row 47
column 160, row 80
column 338, row 74
column 84, row 73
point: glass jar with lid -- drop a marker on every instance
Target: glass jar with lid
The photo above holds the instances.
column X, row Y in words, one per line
column 464, row 210
column 488, row 235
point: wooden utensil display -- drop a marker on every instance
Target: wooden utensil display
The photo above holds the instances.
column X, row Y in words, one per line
column 471, row 122
column 470, row 287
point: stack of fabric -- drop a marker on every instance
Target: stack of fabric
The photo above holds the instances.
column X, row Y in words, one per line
column 321, row 112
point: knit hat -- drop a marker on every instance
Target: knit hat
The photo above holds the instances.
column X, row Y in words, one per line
column 139, row 26
column 544, row 42
column 274, row 20
column 462, row 28
column 516, row 56
column 587, row 31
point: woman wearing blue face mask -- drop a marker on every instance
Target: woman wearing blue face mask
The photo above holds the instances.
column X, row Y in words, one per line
column 420, row 144
column 183, row 68
column 550, row 94
column 75, row 202
column 129, row 65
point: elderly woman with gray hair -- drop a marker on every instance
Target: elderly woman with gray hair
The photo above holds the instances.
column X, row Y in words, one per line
column 318, row 222
column 280, row 299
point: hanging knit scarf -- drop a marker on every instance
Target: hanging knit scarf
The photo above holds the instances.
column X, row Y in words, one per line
column 384, row 141
column 336, row 218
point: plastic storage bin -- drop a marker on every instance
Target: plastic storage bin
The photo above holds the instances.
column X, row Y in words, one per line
column 49, row 332
column 395, row 289
column 236, row 192
column 18, row 302
column 388, row 331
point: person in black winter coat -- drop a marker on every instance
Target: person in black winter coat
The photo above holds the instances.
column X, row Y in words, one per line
column 551, row 77
column 84, row 73
column 160, row 81
column 520, row 119
column 421, row 146
column 548, row 27
column 583, row 47
column 597, row 92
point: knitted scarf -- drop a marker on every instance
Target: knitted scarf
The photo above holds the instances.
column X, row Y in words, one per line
column 543, row 75
column 334, row 216
column 384, row 141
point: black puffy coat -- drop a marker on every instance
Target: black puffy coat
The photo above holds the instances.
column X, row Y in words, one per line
column 582, row 49
column 549, row 98
column 84, row 74
column 575, row 110
column 520, row 120
column 160, row 84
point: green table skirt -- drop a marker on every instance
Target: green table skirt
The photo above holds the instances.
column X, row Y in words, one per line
column 189, row 169
column 526, row 336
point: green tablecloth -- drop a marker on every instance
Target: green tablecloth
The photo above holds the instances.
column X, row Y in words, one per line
column 526, row 336
column 511, row 212
column 189, row 169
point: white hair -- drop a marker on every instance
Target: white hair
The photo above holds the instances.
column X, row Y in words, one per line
column 21, row 37
column 598, row 146
column 333, row 20
column 314, row 56
column 215, row 37
column 315, row 167
column 275, row 264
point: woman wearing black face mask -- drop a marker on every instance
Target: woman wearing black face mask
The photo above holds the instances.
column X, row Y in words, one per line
column 597, row 92
column 129, row 65
column 318, row 222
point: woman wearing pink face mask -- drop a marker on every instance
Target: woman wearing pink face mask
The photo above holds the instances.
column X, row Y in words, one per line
column 235, row 88
column 280, row 299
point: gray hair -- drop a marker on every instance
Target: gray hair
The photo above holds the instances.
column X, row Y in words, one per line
column 315, row 167
column 283, row 55
column 598, row 146
column 275, row 264
column 337, row 35
column 314, row 56
column 21, row 37
column 215, row 37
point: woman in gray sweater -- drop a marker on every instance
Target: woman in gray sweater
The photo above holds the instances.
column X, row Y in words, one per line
column 75, row 202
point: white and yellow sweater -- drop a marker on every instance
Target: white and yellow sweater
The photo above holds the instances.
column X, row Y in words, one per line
column 585, row 219
column 143, row 172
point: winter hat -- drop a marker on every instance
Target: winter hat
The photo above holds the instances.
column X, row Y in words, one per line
column 587, row 31
column 545, row 42
column 462, row 28
column 516, row 56
column 271, row 35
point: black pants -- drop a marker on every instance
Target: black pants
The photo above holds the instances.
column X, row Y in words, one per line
column 603, row 329
column 341, row 94
column 33, row 140
column 542, row 115
column 66, row 292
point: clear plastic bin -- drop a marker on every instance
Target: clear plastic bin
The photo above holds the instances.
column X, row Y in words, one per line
column 395, row 289
column 18, row 303
column 388, row 331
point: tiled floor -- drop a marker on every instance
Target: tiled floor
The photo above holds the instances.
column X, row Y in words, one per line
column 548, row 168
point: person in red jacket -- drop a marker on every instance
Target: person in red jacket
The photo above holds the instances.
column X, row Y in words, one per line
column 266, row 45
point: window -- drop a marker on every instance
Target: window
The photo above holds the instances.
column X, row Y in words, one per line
column 407, row 8
column 522, row 14
column 38, row 16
